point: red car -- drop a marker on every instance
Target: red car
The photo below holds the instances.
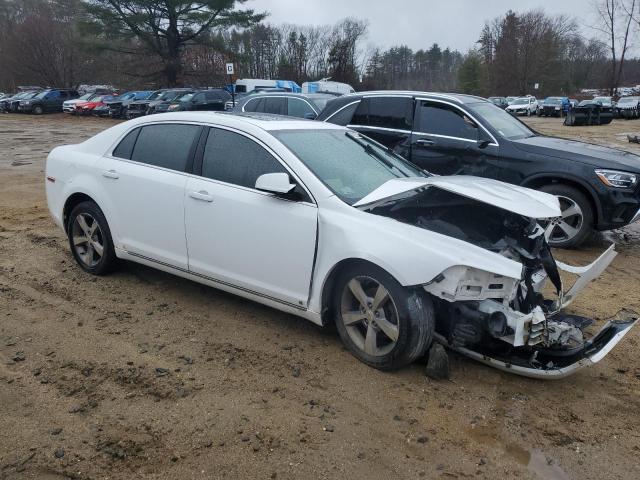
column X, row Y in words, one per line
column 85, row 108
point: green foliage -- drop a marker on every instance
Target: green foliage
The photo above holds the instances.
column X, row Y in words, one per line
column 163, row 28
column 472, row 74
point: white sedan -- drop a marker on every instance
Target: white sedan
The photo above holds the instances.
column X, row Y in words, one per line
column 318, row 221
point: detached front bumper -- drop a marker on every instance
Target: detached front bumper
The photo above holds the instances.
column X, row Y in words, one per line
column 552, row 367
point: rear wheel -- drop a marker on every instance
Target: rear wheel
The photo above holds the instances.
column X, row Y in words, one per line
column 380, row 322
column 90, row 239
column 576, row 222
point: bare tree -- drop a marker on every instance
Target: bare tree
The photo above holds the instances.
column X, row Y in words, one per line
column 614, row 20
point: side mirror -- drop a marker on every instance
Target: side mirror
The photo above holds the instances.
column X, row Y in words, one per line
column 310, row 116
column 483, row 140
column 277, row 183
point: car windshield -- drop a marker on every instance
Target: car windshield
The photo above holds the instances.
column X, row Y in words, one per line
column 603, row 100
column 521, row 101
column 349, row 164
column 42, row 94
column 86, row 96
column 155, row 95
column 502, row 122
column 185, row 98
column 553, row 101
column 628, row 100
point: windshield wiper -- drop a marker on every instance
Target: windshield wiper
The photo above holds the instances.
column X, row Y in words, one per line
column 370, row 150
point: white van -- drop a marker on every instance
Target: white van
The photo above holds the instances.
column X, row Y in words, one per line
column 326, row 86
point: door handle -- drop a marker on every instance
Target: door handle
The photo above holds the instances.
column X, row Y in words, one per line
column 202, row 195
column 425, row 143
column 111, row 174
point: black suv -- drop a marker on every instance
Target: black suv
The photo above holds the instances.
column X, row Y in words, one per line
column 450, row 134
column 213, row 99
column 50, row 100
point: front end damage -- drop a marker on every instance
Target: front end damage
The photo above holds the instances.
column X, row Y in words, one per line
column 514, row 324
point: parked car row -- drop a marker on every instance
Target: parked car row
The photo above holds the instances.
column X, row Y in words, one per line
column 445, row 134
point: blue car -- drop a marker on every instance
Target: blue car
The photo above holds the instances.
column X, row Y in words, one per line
column 554, row 107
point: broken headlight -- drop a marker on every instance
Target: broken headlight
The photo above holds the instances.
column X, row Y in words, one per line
column 614, row 178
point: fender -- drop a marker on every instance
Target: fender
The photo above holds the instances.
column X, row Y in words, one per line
column 561, row 176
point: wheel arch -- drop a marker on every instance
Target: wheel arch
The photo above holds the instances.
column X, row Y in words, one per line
column 328, row 286
column 71, row 202
column 543, row 179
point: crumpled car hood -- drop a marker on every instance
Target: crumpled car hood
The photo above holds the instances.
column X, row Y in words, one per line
column 520, row 200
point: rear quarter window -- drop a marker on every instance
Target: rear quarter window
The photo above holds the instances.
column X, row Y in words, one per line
column 343, row 117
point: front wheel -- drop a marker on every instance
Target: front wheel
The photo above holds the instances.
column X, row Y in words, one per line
column 382, row 323
column 38, row 110
column 575, row 224
column 90, row 239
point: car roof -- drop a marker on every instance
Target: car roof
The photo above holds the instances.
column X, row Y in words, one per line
column 454, row 97
column 264, row 121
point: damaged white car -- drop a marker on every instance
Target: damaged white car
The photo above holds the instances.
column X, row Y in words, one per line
column 321, row 222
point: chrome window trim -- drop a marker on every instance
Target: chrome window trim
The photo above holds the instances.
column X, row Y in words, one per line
column 257, row 97
column 342, row 108
column 109, row 154
column 385, row 129
column 423, row 99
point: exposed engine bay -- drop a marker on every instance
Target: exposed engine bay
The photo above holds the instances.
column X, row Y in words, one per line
column 506, row 322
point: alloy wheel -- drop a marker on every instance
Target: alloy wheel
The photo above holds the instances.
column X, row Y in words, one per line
column 568, row 225
column 369, row 315
column 88, row 240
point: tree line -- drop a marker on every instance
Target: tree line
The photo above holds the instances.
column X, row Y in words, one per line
column 153, row 43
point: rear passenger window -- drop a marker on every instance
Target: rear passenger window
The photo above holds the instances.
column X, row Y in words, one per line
column 125, row 147
column 385, row 112
column 166, row 145
column 277, row 106
column 254, row 105
column 344, row 116
column 234, row 158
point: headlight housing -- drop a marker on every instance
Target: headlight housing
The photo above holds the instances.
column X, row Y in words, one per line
column 617, row 179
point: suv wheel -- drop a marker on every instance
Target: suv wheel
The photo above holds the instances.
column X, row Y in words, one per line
column 576, row 223
column 38, row 110
column 380, row 322
column 90, row 239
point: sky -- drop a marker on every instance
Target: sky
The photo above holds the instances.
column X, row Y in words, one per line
column 417, row 23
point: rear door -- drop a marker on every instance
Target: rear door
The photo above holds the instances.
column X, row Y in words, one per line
column 240, row 236
column 386, row 119
column 144, row 181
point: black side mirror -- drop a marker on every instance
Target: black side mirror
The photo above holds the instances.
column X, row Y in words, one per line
column 310, row 116
column 483, row 140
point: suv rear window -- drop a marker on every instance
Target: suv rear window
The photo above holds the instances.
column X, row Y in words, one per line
column 166, row 145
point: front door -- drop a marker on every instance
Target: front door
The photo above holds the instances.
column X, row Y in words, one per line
column 445, row 141
column 240, row 236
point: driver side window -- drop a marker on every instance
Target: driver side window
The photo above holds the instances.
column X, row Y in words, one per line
column 442, row 119
column 234, row 158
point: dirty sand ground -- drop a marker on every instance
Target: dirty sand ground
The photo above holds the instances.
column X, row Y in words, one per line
column 144, row 375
